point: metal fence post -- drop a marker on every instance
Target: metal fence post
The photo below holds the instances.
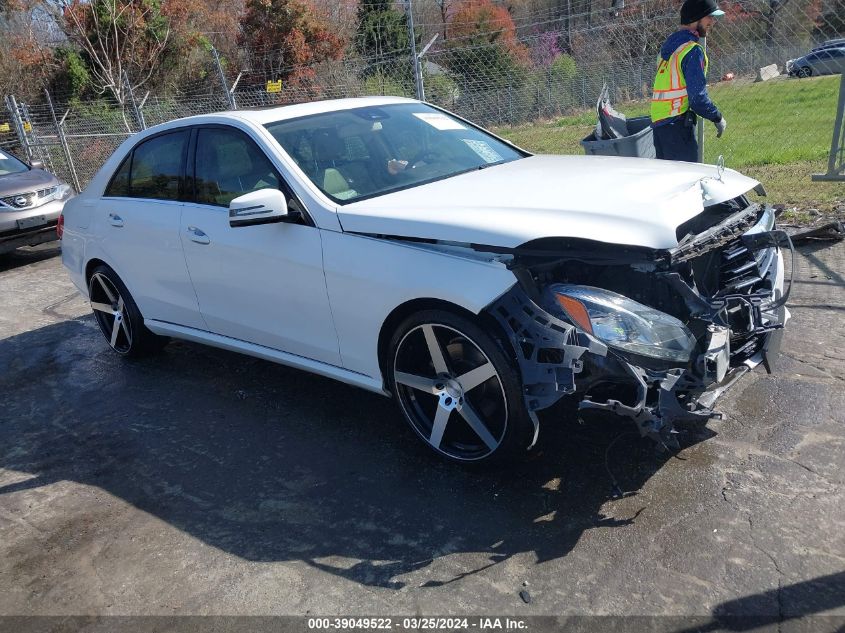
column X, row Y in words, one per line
column 230, row 97
column 60, row 131
column 139, row 116
column 43, row 153
column 418, row 80
column 14, row 110
column 837, row 145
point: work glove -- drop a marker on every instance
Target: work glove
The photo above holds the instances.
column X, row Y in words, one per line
column 721, row 124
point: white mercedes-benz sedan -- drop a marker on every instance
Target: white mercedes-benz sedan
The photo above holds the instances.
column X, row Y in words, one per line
column 392, row 245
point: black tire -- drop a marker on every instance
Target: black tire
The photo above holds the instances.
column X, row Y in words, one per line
column 106, row 290
column 804, row 72
column 471, row 413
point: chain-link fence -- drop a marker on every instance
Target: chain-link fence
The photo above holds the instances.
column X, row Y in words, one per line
column 538, row 68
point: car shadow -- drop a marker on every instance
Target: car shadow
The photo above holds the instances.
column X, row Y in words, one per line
column 29, row 255
column 798, row 601
column 273, row 464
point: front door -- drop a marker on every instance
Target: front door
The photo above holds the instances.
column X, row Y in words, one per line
column 262, row 284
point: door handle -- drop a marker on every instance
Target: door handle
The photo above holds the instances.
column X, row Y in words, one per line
column 198, row 235
column 115, row 219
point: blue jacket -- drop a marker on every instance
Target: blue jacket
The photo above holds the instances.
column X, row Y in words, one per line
column 693, row 69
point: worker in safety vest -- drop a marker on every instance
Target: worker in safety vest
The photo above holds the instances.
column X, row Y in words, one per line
column 680, row 86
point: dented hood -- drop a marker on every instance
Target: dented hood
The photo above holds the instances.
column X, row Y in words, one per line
column 632, row 201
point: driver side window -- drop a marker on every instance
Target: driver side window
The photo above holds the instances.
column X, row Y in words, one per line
column 228, row 165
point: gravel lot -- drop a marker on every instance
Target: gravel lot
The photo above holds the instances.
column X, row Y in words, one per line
column 204, row 482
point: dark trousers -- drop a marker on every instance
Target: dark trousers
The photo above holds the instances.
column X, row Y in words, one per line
column 676, row 141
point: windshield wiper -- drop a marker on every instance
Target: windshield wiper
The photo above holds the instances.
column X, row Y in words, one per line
column 478, row 168
column 486, row 165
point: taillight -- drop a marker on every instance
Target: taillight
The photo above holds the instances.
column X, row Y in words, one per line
column 60, row 225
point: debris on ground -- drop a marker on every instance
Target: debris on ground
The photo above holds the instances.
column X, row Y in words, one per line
column 829, row 231
column 526, row 597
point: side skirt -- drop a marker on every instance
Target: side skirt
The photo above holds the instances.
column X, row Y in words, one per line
column 266, row 353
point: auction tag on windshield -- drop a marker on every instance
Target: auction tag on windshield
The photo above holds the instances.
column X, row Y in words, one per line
column 438, row 120
column 484, row 150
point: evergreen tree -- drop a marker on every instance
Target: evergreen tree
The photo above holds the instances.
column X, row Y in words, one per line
column 382, row 32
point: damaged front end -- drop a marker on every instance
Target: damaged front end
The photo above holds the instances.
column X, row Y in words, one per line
column 652, row 335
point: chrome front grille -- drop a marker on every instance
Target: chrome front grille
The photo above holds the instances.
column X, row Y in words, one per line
column 742, row 271
column 746, row 272
column 26, row 200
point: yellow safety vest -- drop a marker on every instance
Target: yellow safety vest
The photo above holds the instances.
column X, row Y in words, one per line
column 670, row 97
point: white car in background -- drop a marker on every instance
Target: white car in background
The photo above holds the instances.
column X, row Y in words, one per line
column 391, row 245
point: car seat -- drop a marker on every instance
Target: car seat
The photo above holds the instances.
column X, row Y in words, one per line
column 328, row 150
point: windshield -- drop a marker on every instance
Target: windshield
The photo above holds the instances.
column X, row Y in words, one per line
column 356, row 154
column 10, row 165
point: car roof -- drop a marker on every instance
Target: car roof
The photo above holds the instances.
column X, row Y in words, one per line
column 265, row 115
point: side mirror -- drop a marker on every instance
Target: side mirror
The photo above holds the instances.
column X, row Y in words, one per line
column 37, row 164
column 264, row 206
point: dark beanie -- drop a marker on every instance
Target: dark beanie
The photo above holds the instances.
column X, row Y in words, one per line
column 694, row 10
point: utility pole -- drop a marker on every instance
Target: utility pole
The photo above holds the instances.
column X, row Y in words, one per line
column 417, row 69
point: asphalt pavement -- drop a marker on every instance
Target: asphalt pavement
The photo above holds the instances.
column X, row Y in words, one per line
column 204, row 482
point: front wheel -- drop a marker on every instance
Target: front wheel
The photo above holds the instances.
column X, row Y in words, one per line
column 457, row 389
column 804, row 72
column 117, row 315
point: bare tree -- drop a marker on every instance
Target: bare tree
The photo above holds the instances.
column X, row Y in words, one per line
column 120, row 38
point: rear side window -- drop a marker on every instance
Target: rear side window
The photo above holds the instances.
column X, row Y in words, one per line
column 152, row 170
column 228, row 165
column 157, row 167
column 119, row 185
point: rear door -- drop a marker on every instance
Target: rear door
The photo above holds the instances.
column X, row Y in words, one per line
column 140, row 211
column 261, row 284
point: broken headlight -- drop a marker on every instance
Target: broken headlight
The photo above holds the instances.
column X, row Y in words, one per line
column 623, row 323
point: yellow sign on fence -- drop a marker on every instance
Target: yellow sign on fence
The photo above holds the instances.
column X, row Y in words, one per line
column 274, row 86
column 27, row 127
column 4, row 127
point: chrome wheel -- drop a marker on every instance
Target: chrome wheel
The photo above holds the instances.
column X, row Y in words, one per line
column 804, row 72
column 450, row 392
column 110, row 311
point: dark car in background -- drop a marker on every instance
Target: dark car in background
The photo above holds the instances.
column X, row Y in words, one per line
column 837, row 43
column 31, row 201
column 822, row 61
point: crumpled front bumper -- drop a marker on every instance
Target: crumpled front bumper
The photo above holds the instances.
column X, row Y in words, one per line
column 557, row 358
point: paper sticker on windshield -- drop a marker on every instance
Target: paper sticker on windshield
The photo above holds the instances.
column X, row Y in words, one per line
column 439, row 120
column 484, row 150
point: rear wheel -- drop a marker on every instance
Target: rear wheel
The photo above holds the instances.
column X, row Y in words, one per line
column 117, row 315
column 804, row 71
column 457, row 389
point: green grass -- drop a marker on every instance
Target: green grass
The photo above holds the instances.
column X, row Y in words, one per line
column 779, row 132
